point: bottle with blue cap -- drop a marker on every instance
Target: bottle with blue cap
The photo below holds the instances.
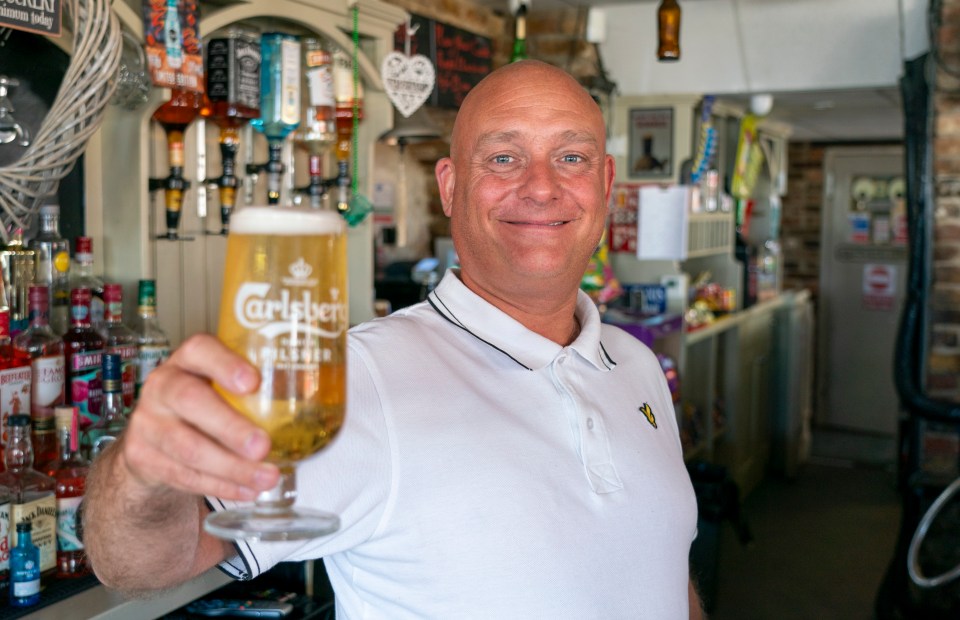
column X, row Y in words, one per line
column 24, row 569
column 112, row 421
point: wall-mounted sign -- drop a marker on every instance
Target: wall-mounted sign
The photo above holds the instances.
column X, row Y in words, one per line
column 172, row 35
column 651, row 143
column 40, row 16
column 879, row 286
column 461, row 58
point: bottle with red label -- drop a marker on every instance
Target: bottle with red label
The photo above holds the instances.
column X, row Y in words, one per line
column 84, row 348
column 82, row 275
column 120, row 339
column 15, row 376
column 70, row 472
column 45, row 350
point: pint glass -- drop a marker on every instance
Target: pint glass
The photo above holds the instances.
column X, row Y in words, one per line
column 284, row 307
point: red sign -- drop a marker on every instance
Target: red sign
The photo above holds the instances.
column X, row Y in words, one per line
column 879, row 286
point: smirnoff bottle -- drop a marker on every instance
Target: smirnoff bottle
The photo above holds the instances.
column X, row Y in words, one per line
column 318, row 131
column 112, row 421
column 84, row 348
column 53, row 265
column 82, row 276
column 120, row 339
column 152, row 342
column 70, row 474
column 45, row 350
column 32, row 494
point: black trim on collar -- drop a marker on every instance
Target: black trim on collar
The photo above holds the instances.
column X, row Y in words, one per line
column 607, row 355
column 457, row 323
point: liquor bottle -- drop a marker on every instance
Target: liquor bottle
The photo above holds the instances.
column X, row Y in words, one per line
column 24, row 568
column 318, row 131
column 279, row 101
column 174, row 116
column 233, row 88
column 19, row 266
column 120, row 339
column 82, row 276
column 4, row 540
column 152, row 342
column 83, row 347
column 45, row 350
column 53, row 266
column 32, row 494
column 668, row 31
column 112, row 421
column 173, row 35
column 15, row 378
column 70, row 474
column 348, row 93
column 520, row 35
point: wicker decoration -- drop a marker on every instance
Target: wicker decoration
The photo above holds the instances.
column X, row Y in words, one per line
column 74, row 116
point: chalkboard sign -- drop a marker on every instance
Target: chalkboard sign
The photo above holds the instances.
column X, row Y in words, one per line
column 461, row 58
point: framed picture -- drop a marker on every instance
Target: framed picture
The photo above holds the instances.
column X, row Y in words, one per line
column 651, row 143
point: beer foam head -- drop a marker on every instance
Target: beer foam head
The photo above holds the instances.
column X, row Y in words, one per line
column 285, row 221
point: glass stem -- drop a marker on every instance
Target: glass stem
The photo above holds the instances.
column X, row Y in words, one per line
column 282, row 496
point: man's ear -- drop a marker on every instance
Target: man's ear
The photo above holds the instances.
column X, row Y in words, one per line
column 446, row 179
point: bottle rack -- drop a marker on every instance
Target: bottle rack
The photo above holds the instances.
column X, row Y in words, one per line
column 124, row 216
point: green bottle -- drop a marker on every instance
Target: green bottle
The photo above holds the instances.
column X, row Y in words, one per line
column 520, row 35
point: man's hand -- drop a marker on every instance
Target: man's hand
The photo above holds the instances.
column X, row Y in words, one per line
column 183, row 435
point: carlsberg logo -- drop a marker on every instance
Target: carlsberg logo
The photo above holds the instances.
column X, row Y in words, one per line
column 272, row 317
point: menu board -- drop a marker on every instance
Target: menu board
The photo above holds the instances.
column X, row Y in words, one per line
column 461, row 58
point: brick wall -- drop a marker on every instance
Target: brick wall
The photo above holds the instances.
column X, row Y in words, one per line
column 943, row 368
column 802, row 215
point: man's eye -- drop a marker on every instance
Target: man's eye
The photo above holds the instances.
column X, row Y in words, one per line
column 502, row 159
column 572, row 158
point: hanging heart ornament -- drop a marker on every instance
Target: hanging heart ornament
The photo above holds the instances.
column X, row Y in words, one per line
column 408, row 80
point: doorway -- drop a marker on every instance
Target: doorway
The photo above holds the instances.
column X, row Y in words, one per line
column 862, row 282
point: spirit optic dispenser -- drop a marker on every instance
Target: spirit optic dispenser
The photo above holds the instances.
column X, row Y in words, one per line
column 279, row 103
column 174, row 116
column 233, row 87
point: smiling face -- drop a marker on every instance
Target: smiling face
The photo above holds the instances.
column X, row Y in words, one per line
column 527, row 183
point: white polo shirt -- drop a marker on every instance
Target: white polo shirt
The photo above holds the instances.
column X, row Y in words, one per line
column 484, row 471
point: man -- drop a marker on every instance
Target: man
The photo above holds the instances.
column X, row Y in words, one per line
column 504, row 454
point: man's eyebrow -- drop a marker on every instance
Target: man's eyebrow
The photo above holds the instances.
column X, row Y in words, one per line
column 497, row 137
column 569, row 136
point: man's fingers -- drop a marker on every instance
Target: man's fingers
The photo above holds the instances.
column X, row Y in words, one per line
column 164, row 451
column 204, row 355
column 174, row 391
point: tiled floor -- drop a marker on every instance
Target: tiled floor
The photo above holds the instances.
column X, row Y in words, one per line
column 821, row 542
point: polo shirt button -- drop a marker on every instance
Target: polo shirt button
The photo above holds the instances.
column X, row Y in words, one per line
column 590, row 423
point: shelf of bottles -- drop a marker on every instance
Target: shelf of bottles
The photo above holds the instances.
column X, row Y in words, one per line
column 293, row 90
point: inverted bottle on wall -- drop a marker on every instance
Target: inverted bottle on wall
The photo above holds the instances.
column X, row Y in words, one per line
column 279, row 101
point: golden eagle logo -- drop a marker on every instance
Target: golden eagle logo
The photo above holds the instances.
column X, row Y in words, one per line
column 648, row 414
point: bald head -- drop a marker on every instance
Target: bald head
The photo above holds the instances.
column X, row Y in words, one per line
column 527, row 82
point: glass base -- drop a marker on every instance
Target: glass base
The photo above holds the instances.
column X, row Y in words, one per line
column 271, row 525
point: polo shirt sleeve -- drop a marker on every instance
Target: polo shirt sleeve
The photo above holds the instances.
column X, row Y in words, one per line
column 351, row 478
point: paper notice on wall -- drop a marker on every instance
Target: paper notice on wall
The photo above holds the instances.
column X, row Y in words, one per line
column 879, row 286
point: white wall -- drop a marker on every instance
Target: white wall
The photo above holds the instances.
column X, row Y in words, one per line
column 744, row 46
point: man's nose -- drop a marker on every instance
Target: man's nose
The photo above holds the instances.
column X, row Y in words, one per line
column 541, row 182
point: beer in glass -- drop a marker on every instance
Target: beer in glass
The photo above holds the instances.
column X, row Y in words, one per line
column 284, row 307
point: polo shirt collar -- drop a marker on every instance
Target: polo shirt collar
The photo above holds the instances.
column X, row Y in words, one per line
column 470, row 312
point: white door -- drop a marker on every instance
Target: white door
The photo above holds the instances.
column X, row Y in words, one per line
column 862, row 281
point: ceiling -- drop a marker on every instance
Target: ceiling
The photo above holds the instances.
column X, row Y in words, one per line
column 859, row 114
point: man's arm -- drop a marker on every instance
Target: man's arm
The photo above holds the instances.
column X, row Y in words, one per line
column 144, row 508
